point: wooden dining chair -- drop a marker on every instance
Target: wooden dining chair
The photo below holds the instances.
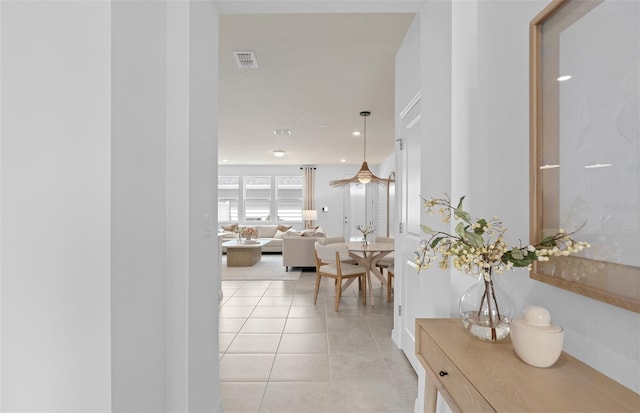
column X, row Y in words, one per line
column 330, row 263
column 386, row 263
column 390, row 278
column 388, row 260
column 336, row 240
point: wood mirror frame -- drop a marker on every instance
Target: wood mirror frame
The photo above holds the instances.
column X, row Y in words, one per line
column 602, row 272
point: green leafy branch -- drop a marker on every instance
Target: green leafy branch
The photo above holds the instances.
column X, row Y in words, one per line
column 479, row 245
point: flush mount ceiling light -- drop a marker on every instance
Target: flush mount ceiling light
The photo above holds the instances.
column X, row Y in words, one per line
column 364, row 175
column 279, row 153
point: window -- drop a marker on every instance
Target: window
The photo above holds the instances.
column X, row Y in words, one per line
column 272, row 199
column 289, row 198
column 257, row 198
column 228, row 198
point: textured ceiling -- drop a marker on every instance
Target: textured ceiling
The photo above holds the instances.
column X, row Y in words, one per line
column 316, row 73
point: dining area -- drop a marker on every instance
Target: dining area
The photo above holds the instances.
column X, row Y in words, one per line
column 364, row 261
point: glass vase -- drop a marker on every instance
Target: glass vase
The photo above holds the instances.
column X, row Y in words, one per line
column 486, row 310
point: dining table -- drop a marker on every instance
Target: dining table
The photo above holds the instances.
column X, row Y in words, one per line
column 368, row 256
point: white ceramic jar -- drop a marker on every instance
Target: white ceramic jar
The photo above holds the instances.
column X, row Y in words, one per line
column 536, row 341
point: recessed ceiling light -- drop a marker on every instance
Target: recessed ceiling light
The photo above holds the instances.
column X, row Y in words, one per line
column 279, row 153
column 343, row 160
column 282, row 132
column 225, row 160
column 563, row 78
column 548, row 166
column 355, row 133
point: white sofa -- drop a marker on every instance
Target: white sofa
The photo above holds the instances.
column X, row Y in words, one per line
column 265, row 231
column 298, row 251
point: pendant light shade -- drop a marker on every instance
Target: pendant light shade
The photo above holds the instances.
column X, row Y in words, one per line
column 364, row 175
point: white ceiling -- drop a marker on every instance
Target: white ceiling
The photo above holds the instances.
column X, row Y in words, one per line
column 316, row 73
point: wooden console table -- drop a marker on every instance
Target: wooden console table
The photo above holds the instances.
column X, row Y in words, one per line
column 477, row 376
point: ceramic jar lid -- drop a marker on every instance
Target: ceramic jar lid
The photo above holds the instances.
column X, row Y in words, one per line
column 538, row 319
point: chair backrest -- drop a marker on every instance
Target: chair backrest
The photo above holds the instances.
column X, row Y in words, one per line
column 330, row 240
column 386, row 240
column 327, row 253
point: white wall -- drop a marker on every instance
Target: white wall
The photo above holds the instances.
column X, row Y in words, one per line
column 387, row 166
column 601, row 335
column 203, row 278
column 177, row 207
column 109, row 277
column 489, row 164
column 138, row 212
column 164, row 279
column 55, row 217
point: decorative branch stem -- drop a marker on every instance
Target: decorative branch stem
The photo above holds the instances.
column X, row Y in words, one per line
column 495, row 300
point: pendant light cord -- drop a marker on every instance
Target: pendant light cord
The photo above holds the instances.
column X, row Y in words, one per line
column 365, row 138
column 364, row 114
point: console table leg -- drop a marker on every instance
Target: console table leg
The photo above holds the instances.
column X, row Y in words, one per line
column 430, row 396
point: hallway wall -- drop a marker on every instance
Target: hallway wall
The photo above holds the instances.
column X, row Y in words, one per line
column 109, row 274
column 490, row 165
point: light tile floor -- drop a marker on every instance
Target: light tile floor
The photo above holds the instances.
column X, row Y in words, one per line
column 281, row 353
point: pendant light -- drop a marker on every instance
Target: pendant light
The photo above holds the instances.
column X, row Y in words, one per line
column 364, row 175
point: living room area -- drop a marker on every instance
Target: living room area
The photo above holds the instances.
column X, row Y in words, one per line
column 302, row 137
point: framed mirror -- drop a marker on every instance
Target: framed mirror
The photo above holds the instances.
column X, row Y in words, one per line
column 585, row 145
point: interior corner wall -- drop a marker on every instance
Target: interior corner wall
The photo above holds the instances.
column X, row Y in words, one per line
column 55, row 206
column 164, row 249
column 204, row 253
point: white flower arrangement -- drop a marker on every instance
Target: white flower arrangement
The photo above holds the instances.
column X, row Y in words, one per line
column 478, row 246
column 366, row 229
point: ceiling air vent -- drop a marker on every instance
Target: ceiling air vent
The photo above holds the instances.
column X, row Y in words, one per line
column 246, row 60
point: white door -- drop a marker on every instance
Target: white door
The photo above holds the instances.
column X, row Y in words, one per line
column 408, row 163
column 358, row 209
